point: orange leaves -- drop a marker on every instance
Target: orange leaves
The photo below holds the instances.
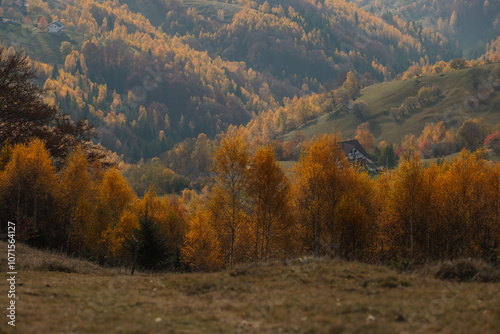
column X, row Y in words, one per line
column 364, row 136
column 166, row 214
column 227, row 204
column 203, row 250
column 322, row 177
column 402, row 218
column 246, row 215
column 439, row 212
column 114, row 196
column 75, row 192
column 31, row 164
column 467, row 199
column 268, row 191
column 27, row 185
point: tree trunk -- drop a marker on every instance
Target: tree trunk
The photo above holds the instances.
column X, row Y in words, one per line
column 35, row 209
column 256, row 242
column 411, row 226
column 72, row 216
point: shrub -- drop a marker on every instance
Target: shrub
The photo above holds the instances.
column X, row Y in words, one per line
column 493, row 142
column 468, row 271
column 402, row 265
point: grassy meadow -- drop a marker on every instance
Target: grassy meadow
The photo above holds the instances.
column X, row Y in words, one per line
column 449, row 108
column 41, row 46
column 57, row 294
column 209, row 8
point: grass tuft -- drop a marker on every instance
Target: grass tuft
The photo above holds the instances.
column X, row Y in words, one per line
column 468, row 270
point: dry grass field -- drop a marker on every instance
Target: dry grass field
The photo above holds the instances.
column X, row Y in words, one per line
column 61, row 295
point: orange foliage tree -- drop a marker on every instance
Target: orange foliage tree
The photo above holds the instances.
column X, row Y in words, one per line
column 364, row 136
column 228, row 205
column 326, row 200
column 28, row 187
column 269, row 194
column 76, row 189
column 407, row 211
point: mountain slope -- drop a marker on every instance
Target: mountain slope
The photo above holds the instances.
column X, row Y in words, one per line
column 456, row 104
column 470, row 23
column 154, row 73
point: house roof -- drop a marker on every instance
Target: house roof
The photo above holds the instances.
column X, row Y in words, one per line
column 349, row 145
column 58, row 23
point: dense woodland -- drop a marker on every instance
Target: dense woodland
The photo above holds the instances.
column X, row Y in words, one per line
column 472, row 23
column 151, row 85
column 168, row 124
column 64, row 196
column 252, row 211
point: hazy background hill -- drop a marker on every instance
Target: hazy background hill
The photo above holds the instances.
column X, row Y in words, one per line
column 471, row 23
column 153, row 73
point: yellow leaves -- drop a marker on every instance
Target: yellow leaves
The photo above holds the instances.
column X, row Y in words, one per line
column 351, row 85
column 114, row 196
column 165, row 212
column 230, row 162
column 31, row 165
column 27, row 187
column 439, row 212
column 268, row 190
column 322, row 177
column 433, row 133
column 114, row 192
column 116, row 237
column 202, row 250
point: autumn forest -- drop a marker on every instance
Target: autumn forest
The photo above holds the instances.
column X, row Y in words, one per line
column 190, row 130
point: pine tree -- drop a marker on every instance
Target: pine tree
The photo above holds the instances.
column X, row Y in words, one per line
column 153, row 251
column 55, row 72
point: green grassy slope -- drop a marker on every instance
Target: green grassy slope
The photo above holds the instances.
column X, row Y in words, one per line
column 381, row 97
column 42, row 47
column 209, row 8
column 156, row 12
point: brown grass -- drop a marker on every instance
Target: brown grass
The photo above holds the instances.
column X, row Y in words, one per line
column 301, row 296
column 30, row 259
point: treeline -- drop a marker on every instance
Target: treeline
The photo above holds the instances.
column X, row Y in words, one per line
column 187, row 165
column 414, row 212
column 253, row 211
column 423, row 67
column 83, row 209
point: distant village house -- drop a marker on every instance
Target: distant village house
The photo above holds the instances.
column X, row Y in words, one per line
column 355, row 153
column 56, row 27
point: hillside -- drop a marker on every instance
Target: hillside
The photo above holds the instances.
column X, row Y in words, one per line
column 469, row 23
column 450, row 107
column 300, row 296
column 153, row 73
